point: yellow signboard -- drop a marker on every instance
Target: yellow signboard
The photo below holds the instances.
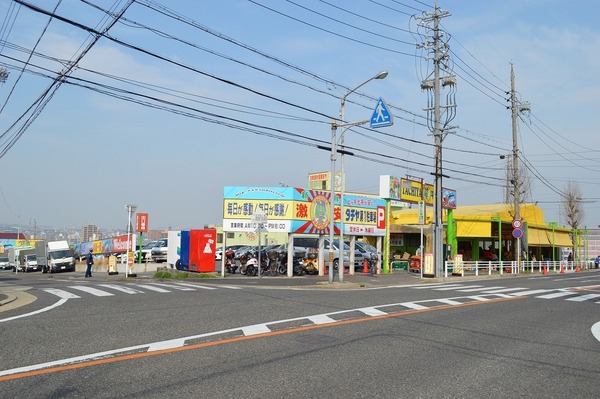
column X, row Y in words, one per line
column 412, row 191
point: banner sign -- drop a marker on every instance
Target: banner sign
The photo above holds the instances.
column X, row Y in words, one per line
column 296, row 210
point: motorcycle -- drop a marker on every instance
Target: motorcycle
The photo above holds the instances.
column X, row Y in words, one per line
column 310, row 264
column 230, row 264
column 297, row 268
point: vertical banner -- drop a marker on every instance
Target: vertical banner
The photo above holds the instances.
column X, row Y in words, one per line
column 142, row 222
column 427, row 267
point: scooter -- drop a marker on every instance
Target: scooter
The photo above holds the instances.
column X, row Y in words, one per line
column 249, row 264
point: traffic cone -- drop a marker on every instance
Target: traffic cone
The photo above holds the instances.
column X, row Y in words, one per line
column 577, row 269
column 545, row 270
column 365, row 266
column 562, row 268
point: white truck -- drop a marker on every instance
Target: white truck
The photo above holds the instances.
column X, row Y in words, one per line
column 55, row 256
column 19, row 258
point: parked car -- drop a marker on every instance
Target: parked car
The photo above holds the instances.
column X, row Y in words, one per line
column 219, row 254
column 159, row 251
column 31, row 263
column 4, row 263
column 146, row 251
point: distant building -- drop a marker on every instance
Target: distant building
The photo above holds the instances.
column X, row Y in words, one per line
column 12, row 236
column 90, row 233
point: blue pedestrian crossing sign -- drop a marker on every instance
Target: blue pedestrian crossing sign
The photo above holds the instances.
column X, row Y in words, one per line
column 381, row 115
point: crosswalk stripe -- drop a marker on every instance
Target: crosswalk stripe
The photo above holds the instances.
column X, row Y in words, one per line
column 483, row 289
column 424, row 287
column 127, row 290
column 556, row 295
column 91, row 290
column 175, row 286
column 456, row 287
column 530, row 292
column 206, row 287
column 152, row 288
column 582, row 298
column 504, row 290
column 61, row 293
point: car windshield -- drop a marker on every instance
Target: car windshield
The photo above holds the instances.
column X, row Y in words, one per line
column 63, row 253
column 149, row 245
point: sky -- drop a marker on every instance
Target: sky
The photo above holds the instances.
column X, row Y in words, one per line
column 179, row 99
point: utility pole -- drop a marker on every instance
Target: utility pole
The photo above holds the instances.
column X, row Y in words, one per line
column 516, row 107
column 434, row 42
column 517, row 184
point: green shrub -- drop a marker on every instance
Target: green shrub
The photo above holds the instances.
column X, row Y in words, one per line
column 163, row 275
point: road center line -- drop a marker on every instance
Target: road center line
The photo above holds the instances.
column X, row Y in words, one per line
column 177, row 345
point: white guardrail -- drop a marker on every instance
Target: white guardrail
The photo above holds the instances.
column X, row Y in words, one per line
column 477, row 268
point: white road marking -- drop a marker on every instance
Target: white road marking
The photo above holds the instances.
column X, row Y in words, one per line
column 372, row 311
column 174, row 286
column 596, row 331
column 57, row 304
column 556, row 295
column 504, row 290
column 152, row 288
column 61, row 293
column 172, row 343
column 321, row 319
column 448, row 301
column 122, row 288
column 530, row 292
column 255, row 329
column 91, row 290
column 582, row 298
column 412, row 305
column 179, row 342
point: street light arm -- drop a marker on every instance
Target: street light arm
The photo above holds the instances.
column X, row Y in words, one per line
column 380, row 75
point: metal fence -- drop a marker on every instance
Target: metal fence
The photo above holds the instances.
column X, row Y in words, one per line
column 488, row 268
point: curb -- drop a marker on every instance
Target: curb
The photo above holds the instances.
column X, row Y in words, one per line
column 8, row 298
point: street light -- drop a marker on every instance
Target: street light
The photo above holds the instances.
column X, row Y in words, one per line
column 344, row 126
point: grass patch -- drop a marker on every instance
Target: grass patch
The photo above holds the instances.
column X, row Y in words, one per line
column 163, row 275
column 182, row 274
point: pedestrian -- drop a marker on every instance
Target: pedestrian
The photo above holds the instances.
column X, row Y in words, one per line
column 90, row 262
column 570, row 257
column 597, row 261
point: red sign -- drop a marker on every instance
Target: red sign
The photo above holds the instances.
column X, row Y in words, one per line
column 381, row 217
column 142, row 222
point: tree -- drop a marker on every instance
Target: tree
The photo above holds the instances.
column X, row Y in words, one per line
column 573, row 211
column 571, row 205
column 524, row 184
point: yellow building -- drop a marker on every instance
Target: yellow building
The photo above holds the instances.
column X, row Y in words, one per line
column 475, row 230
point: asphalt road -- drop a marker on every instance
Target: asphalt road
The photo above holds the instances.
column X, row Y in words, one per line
column 526, row 336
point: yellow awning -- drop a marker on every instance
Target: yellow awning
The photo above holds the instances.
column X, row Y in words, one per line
column 543, row 238
column 473, row 229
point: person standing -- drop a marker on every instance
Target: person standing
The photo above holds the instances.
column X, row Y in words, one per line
column 90, row 262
